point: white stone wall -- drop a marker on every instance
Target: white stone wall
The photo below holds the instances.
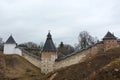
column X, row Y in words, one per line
column 32, row 60
column 18, row 51
column 71, row 60
column 77, row 58
column 48, row 64
column 11, row 49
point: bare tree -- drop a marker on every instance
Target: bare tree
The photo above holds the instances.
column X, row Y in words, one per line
column 1, row 44
column 29, row 45
column 32, row 47
column 41, row 45
column 86, row 40
column 65, row 48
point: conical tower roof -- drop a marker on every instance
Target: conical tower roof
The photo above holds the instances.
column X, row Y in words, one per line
column 10, row 40
column 109, row 35
column 49, row 45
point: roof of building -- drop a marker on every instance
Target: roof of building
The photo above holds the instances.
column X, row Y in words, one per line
column 49, row 45
column 109, row 35
column 10, row 40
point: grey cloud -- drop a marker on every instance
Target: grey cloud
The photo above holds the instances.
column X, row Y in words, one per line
column 30, row 20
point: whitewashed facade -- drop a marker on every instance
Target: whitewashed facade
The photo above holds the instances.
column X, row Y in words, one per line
column 10, row 47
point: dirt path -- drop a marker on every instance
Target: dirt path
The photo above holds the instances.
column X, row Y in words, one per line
column 52, row 76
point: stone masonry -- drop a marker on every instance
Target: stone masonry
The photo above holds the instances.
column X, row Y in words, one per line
column 49, row 57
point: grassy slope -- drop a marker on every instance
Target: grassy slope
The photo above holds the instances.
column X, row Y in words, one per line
column 109, row 72
column 2, row 65
column 20, row 69
column 94, row 69
column 104, row 66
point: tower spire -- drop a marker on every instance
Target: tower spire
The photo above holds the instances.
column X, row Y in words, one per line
column 11, row 40
column 109, row 35
column 49, row 45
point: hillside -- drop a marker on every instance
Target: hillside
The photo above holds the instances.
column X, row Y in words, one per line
column 20, row 69
column 109, row 72
column 104, row 66
column 2, row 65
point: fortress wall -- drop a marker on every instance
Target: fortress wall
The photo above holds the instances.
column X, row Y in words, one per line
column 18, row 51
column 32, row 60
column 98, row 48
column 77, row 58
column 70, row 61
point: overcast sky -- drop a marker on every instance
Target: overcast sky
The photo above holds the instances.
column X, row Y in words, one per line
column 30, row 20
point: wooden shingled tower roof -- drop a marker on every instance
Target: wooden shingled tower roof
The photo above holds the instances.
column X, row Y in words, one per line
column 49, row 45
column 109, row 35
column 10, row 40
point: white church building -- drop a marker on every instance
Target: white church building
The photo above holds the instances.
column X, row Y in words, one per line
column 10, row 47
